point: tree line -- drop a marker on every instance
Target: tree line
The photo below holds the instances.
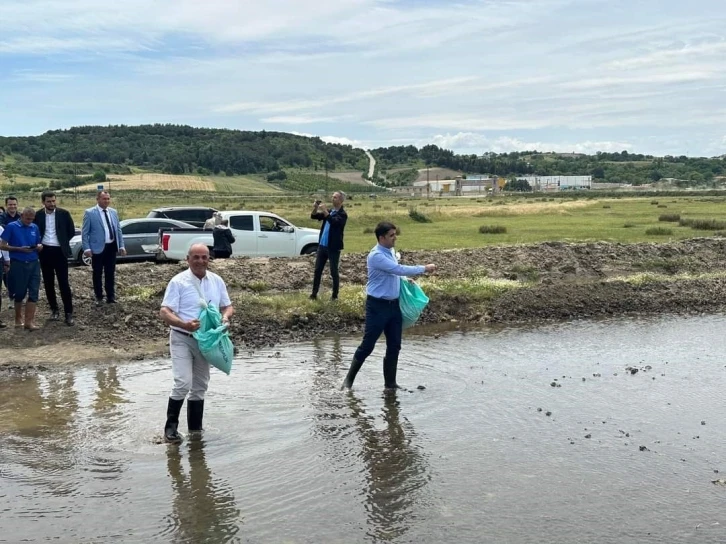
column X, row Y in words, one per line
column 621, row 167
column 179, row 149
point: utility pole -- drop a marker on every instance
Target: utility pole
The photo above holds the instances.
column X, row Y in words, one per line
column 428, row 184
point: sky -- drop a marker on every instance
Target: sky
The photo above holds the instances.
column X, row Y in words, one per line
column 474, row 76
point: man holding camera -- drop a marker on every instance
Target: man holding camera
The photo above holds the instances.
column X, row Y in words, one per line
column 330, row 242
column 23, row 242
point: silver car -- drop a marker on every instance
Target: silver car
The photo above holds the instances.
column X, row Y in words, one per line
column 137, row 233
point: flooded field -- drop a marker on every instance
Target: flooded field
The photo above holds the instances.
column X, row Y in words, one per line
column 594, row 431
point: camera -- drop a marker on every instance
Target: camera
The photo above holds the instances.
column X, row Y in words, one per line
column 318, row 202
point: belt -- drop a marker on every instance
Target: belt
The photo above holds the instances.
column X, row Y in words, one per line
column 24, row 262
column 190, row 335
column 383, row 300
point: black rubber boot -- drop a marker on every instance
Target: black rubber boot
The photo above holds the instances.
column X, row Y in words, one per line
column 172, row 421
column 195, row 414
column 352, row 373
column 390, row 368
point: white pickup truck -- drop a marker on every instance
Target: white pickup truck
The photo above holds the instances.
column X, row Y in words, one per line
column 261, row 234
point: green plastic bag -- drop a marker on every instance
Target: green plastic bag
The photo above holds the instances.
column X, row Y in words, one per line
column 412, row 301
column 213, row 339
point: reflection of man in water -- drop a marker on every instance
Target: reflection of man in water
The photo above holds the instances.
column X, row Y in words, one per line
column 396, row 470
column 203, row 510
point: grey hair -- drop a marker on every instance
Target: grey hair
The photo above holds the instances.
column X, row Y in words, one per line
column 28, row 209
column 342, row 195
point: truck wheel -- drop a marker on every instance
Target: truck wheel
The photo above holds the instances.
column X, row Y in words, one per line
column 83, row 259
column 309, row 250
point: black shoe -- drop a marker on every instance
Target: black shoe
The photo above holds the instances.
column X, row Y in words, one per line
column 54, row 315
column 195, row 415
column 99, row 302
column 172, row 421
column 313, row 297
column 352, row 373
column 3, row 325
column 111, row 301
column 69, row 320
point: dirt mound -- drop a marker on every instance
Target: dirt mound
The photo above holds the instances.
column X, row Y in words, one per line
column 563, row 281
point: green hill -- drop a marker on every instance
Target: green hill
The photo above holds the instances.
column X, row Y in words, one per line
column 172, row 149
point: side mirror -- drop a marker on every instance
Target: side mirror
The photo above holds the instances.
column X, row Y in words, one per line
column 288, row 229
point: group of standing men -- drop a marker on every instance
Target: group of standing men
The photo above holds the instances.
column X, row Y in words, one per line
column 38, row 243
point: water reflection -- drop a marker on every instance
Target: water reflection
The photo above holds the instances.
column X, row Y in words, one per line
column 38, row 429
column 203, row 508
column 109, row 393
column 397, row 471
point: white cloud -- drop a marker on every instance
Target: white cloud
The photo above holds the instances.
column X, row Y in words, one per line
column 334, row 139
column 421, row 89
column 477, row 143
column 559, row 72
column 299, row 120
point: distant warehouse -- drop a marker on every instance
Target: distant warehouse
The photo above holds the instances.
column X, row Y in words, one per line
column 557, row 183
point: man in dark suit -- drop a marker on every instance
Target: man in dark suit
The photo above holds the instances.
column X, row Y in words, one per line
column 102, row 239
column 330, row 242
column 56, row 229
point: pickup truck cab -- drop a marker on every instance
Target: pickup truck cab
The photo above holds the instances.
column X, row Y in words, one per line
column 257, row 234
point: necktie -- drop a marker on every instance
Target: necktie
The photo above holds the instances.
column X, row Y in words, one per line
column 110, row 230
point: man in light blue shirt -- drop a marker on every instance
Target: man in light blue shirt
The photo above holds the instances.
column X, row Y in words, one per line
column 383, row 314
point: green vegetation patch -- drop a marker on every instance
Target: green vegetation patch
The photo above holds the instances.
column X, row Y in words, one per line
column 659, row 231
column 492, row 229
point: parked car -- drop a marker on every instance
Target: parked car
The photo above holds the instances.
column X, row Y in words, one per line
column 195, row 216
column 137, row 233
column 261, row 234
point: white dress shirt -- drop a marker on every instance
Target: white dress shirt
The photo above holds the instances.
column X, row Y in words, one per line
column 4, row 254
column 182, row 296
column 50, row 238
column 105, row 224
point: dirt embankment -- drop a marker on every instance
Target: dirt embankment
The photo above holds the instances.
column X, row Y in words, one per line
column 566, row 281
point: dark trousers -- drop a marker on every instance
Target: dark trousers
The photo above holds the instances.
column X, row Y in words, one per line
column 104, row 266
column 382, row 316
column 53, row 263
column 222, row 254
column 324, row 255
column 7, row 286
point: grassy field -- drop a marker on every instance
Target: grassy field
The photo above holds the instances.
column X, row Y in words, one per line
column 456, row 222
column 247, row 185
column 153, row 182
column 353, row 176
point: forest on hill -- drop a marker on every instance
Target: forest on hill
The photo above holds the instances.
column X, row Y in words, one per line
column 63, row 157
column 622, row 167
column 178, row 149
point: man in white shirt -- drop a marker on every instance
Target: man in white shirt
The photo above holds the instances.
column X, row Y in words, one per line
column 56, row 229
column 185, row 295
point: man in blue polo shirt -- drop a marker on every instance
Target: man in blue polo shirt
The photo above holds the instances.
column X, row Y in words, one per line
column 383, row 314
column 22, row 240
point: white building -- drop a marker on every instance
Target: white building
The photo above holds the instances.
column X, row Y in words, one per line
column 557, row 183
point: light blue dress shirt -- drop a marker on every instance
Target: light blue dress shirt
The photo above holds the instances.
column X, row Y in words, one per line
column 326, row 229
column 384, row 272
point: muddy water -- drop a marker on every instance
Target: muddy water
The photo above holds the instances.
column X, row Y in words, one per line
column 473, row 457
